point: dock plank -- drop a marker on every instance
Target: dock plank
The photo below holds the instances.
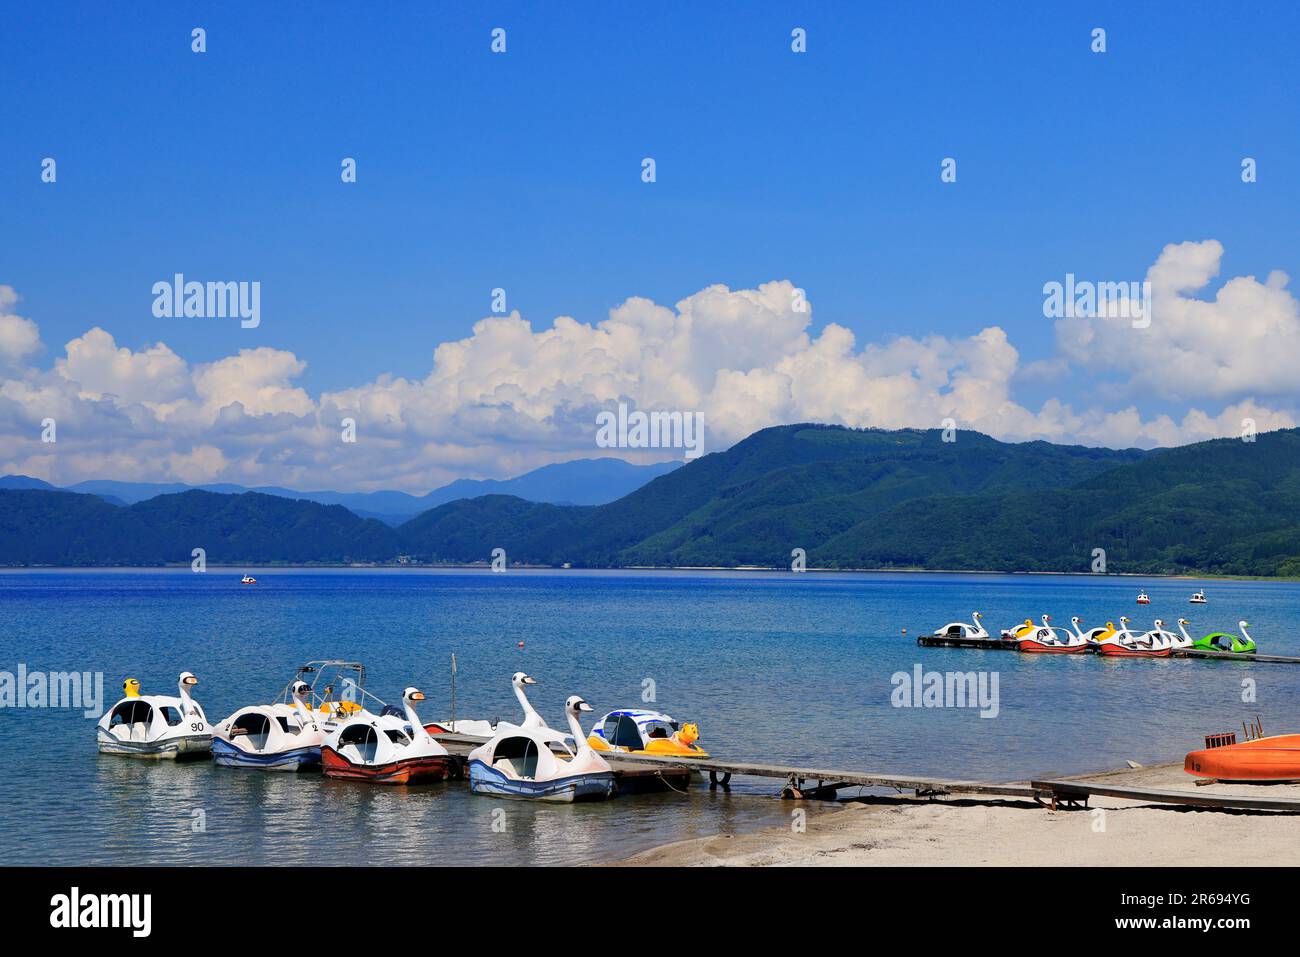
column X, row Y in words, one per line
column 464, row 743
column 1076, row 789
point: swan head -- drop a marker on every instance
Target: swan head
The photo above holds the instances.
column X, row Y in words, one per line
column 1243, row 624
column 1159, row 623
column 1183, row 621
column 520, row 679
column 187, row 681
column 1123, row 619
column 978, row 615
column 131, row 688
column 1110, row 625
column 411, row 695
column 575, row 705
column 300, row 689
column 1076, row 620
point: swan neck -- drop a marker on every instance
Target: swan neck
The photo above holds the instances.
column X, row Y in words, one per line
column 579, row 738
column 529, row 712
column 417, row 728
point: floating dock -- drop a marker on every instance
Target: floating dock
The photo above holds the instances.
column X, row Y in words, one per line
column 989, row 644
column 998, row 644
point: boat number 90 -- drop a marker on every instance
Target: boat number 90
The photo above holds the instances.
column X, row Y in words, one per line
column 196, row 725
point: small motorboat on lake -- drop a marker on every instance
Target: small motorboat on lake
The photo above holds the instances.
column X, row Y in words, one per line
column 391, row 747
column 248, row 580
column 1198, row 599
column 633, row 731
column 523, row 763
column 273, row 737
column 1275, row 758
column 155, row 726
column 1143, row 598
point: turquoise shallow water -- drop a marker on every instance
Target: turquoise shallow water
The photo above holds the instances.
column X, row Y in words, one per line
column 780, row 668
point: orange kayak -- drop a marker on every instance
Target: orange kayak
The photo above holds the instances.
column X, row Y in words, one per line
column 1275, row 758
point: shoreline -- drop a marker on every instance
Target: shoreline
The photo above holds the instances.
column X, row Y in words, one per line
column 1008, row 832
column 748, row 569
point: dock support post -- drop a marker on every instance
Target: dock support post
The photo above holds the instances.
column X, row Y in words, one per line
column 715, row 782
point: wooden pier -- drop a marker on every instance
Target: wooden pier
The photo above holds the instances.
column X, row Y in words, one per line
column 1002, row 644
column 641, row 773
column 644, row 771
column 1074, row 792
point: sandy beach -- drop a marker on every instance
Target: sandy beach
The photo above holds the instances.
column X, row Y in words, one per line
column 1010, row 832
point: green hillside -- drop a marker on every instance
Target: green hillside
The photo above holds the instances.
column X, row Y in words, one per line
column 850, row 498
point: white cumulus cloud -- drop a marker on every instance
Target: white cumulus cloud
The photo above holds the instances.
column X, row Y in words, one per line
column 509, row 397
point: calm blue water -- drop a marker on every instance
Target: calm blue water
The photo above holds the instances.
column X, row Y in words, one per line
column 778, row 668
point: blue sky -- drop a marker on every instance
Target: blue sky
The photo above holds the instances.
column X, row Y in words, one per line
column 522, row 170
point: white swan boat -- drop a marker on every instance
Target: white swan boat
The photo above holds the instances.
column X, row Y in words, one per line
column 392, row 747
column 521, row 762
column 1048, row 639
column 485, row 729
column 1183, row 639
column 155, row 726
column 972, row 630
column 248, row 580
column 1125, row 644
column 1198, row 599
column 273, row 737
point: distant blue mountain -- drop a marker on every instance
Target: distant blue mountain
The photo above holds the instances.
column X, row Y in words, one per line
column 580, row 482
column 24, row 481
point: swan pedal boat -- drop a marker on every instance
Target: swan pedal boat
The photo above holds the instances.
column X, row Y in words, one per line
column 521, row 763
column 273, row 737
column 1225, row 642
column 1048, row 639
column 1275, row 759
column 385, row 748
column 519, row 681
column 1123, row 643
column 972, row 630
column 155, row 726
column 632, row 731
column 1198, row 599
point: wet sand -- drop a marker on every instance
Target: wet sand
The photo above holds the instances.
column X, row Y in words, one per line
column 1011, row 832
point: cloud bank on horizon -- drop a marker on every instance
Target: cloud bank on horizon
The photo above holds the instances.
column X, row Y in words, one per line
column 509, row 398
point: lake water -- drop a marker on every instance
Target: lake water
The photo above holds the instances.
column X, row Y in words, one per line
column 779, row 668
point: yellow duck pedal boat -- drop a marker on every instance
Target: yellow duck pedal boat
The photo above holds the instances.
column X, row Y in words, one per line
column 632, row 731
